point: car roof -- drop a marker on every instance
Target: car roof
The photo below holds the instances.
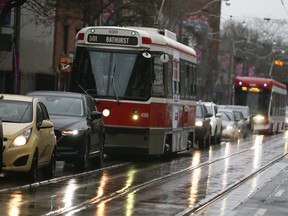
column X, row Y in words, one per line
column 57, row 93
column 16, row 97
column 225, row 110
column 233, row 106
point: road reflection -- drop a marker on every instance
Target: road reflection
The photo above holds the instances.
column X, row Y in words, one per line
column 14, row 204
column 195, row 178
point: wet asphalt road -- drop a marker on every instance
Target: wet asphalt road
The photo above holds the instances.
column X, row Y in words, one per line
column 142, row 186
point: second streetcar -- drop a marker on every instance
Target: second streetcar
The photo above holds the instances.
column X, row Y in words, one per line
column 266, row 99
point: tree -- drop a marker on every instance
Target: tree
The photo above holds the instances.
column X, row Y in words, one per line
column 95, row 12
column 254, row 45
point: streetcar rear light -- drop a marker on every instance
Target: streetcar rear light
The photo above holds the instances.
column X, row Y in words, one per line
column 146, row 40
column 80, row 36
column 106, row 112
column 135, row 115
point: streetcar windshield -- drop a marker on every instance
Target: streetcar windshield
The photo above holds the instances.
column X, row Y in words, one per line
column 258, row 102
column 120, row 75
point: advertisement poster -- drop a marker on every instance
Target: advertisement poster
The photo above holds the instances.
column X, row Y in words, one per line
column 7, row 20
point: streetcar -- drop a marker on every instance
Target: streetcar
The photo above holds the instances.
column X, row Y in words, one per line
column 266, row 99
column 143, row 82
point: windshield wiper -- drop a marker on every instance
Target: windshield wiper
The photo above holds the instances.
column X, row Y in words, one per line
column 113, row 83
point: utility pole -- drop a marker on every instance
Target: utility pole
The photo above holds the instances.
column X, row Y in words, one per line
column 16, row 49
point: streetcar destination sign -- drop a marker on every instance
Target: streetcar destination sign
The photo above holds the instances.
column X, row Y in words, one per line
column 108, row 39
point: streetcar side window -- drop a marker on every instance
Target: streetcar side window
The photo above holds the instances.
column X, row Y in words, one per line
column 193, row 82
column 188, row 80
column 169, row 79
column 158, row 77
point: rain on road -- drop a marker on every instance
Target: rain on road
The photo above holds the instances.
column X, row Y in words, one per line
column 146, row 186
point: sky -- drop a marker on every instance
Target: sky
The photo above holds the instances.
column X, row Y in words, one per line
column 246, row 9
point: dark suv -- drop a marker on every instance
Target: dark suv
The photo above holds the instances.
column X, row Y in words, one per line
column 79, row 128
column 203, row 127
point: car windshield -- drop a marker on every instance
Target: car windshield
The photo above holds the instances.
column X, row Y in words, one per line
column 64, row 106
column 209, row 108
column 15, row 111
column 227, row 116
column 199, row 113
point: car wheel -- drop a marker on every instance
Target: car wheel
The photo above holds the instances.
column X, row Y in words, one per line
column 82, row 163
column 98, row 161
column 33, row 173
column 219, row 137
column 214, row 139
column 204, row 143
column 49, row 171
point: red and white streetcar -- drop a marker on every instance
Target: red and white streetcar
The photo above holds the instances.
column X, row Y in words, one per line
column 144, row 83
column 266, row 99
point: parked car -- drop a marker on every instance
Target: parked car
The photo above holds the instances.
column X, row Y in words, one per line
column 29, row 142
column 215, row 122
column 203, row 127
column 243, row 128
column 248, row 125
column 230, row 126
column 78, row 126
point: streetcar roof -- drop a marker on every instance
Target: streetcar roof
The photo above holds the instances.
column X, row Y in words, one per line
column 258, row 82
column 150, row 37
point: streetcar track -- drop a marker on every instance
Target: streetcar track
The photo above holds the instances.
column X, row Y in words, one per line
column 132, row 189
column 62, row 178
column 214, row 197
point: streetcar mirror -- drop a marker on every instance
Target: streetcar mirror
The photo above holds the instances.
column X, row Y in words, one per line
column 146, row 55
column 164, row 58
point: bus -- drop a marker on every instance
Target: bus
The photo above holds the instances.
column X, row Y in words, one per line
column 266, row 99
column 143, row 82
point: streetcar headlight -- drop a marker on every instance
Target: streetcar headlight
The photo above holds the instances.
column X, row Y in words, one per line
column 106, row 112
column 135, row 115
column 259, row 119
column 198, row 123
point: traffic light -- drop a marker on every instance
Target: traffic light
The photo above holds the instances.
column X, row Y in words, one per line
column 278, row 62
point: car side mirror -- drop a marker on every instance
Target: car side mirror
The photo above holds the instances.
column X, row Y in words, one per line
column 96, row 115
column 218, row 115
column 45, row 124
column 208, row 115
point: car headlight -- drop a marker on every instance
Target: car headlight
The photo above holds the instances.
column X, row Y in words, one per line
column 22, row 139
column 229, row 127
column 198, row 123
column 71, row 132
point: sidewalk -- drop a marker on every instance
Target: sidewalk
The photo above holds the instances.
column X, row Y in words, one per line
column 266, row 194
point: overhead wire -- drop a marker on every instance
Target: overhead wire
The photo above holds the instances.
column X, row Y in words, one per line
column 282, row 2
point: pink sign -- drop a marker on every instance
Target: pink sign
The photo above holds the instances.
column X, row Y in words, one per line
column 3, row 3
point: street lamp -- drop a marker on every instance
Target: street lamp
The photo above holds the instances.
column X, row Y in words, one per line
column 276, row 61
